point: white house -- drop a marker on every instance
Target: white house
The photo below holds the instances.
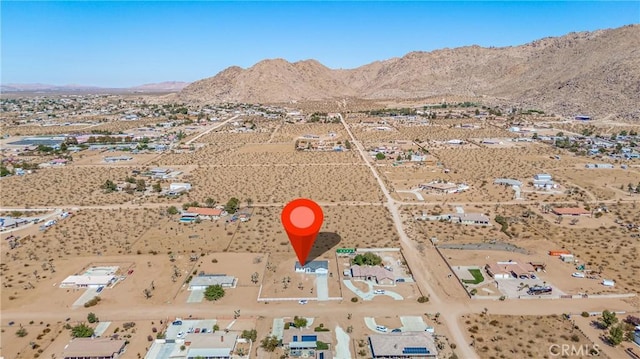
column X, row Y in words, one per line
column 177, row 186
column 87, row 281
column 317, row 267
column 201, row 282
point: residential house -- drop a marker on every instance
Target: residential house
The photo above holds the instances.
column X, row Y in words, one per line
column 100, row 348
column 570, row 211
column 470, row 218
column 202, row 281
column 505, row 270
column 87, row 281
column 207, row 213
column 210, row 345
column 379, row 275
column 316, row 267
column 407, row 345
column 305, row 343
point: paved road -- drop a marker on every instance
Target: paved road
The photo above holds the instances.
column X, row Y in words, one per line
column 212, row 128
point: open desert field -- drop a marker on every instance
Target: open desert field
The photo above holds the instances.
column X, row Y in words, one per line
column 499, row 336
column 63, row 186
column 289, row 132
column 323, row 183
column 604, row 184
column 96, row 158
column 432, row 132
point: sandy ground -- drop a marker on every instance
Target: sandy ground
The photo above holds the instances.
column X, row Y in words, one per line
column 134, row 232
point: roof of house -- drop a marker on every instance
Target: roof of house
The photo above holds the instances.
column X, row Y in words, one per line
column 570, row 211
column 218, row 340
column 475, row 217
column 287, row 336
column 399, row 345
column 87, row 347
column 88, row 279
column 371, row 271
column 313, row 265
column 441, row 186
column 203, row 211
column 212, row 279
column 507, row 181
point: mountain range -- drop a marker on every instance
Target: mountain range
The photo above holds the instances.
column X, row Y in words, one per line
column 595, row 73
column 168, row 86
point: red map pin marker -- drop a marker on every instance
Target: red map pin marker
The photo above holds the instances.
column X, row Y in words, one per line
column 302, row 219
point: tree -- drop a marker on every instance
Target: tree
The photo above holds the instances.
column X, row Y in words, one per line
column 157, row 187
column 232, row 205
column 81, row 331
column 141, row 186
column 380, row 156
column 299, row 322
column 608, row 319
column 210, row 202
column 108, row 186
column 91, row 318
column 214, row 292
column 249, row 335
column 22, row 332
column 616, row 334
column 249, row 202
column 4, row 171
column 172, row 210
column 368, row 258
column 270, row 343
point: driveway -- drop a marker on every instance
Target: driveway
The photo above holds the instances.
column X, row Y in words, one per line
column 358, row 292
column 342, row 344
column 393, row 295
column 322, row 287
column 278, row 328
column 85, row 297
column 371, row 323
column 196, row 296
column 412, row 324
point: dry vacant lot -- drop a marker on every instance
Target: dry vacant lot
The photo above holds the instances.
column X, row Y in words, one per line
column 323, row 183
column 500, row 336
column 63, row 186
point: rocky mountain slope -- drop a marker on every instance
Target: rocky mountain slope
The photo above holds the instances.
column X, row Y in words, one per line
column 596, row 73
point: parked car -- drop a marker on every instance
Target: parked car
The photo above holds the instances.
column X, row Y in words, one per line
column 578, row 275
column 378, row 291
column 203, row 330
column 197, row 330
column 381, row 328
column 130, row 272
column 100, row 288
column 397, row 330
column 177, row 322
column 303, row 301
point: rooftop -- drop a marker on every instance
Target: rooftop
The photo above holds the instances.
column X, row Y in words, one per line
column 371, row 271
column 313, row 265
column 87, row 347
column 212, row 279
column 398, row 345
column 203, row 211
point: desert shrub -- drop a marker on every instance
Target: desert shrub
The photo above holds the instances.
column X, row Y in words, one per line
column 423, row 299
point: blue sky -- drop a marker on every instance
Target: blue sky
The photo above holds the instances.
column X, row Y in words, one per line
column 119, row 44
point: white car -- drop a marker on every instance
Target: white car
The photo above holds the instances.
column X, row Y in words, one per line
column 180, row 335
column 378, row 291
column 381, row 328
column 302, row 301
column 578, row 275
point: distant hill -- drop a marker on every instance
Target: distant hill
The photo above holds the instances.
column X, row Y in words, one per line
column 596, row 73
column 169, row 86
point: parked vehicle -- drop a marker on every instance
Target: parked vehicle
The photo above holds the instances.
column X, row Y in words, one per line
column 100, row 288
column 177, row 322
column 378, row 291
column 381, row 328
column 578, row 275
column 303, row 301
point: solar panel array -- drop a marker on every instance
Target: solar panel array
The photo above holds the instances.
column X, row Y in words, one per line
column 415, row 350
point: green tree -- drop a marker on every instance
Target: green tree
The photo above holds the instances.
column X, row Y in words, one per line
column 108, row 186
column 91, row 318
column 210, row 202
column 608, row 319
column 4, row 171
column 368, row 258
column 232, row 205
column 214, row 292
column 22, row 332
column 172, row 210
column 380, row 156
column 249, row 335
column 141, row 185
column 270, row 343
column 616, row 334
column 157, row 187
column 299, row 322
column 81, row 331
